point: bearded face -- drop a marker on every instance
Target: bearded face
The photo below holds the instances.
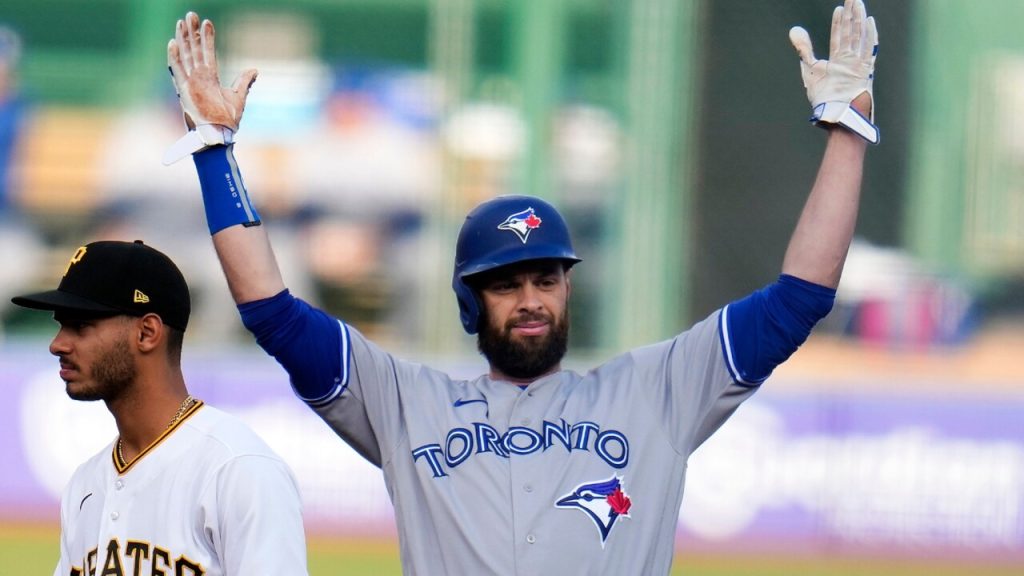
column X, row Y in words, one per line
column 524, row 357
column 113, row 372
column 95, row 358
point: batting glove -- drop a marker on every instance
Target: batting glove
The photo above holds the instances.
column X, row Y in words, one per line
column 212, row 112
column 849, row 72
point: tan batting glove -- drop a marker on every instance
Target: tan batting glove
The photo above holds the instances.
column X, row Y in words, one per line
column 212, row 112
column 833, row 84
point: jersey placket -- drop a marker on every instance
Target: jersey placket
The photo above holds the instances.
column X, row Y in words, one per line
column 530, row 539
column 117, row 503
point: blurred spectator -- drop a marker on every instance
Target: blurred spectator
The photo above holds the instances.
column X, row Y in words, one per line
column 12, row 110
column 888, row 298
column 21, row 245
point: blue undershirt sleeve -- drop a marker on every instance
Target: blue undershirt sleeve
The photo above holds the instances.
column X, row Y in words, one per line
column 312, row 346
column 761, row 331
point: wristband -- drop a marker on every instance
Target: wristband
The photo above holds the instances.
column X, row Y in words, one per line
column 225, row 198
column 848, row 117
column 198, row 139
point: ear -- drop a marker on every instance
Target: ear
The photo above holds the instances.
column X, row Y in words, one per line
column 151, row 333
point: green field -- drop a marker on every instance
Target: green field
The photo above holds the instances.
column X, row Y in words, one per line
column 32, row 550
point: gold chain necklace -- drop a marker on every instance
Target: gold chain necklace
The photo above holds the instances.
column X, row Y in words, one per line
column 185, row 405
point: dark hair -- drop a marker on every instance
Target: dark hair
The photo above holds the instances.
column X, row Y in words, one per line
column 175, row 341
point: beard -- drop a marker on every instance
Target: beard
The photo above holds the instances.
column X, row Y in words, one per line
column 528, row 357
column 113, row 372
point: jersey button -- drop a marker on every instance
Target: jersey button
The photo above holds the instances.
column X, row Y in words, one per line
column 114, row 515
column 530, row 538
column 119, row 484
column 528, row 487
column 525, row 421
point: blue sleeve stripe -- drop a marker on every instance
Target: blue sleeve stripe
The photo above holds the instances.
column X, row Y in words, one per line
column 345, row 353
column 730, row 361
column 243, row 192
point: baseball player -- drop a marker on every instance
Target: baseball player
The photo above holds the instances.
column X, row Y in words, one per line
column 531, row 469
column 184, row 489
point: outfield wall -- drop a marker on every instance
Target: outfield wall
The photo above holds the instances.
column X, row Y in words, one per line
column 805, row 468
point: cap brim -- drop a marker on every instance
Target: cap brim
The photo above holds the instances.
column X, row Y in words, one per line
column 56, row 300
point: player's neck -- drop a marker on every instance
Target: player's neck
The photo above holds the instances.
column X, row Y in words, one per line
column 499, row 376
column 141, row 419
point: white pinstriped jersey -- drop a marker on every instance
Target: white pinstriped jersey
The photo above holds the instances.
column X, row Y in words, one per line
column 575, row 474
column 207, row 498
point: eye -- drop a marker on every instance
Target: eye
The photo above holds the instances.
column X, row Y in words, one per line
column 75, row 325
column 502, row 287
column 548, row 281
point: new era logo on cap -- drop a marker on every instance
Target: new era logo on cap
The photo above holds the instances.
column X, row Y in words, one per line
column 111, row 277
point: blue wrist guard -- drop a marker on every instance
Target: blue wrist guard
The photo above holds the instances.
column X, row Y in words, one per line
column 224, row 195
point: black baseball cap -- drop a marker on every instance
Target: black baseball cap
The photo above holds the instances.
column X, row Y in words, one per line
column 114, row 278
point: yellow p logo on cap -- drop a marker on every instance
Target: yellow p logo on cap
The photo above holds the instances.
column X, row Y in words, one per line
column 75, row 259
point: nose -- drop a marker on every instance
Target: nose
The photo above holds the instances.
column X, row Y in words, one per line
column 60, row 344
column 529, row 297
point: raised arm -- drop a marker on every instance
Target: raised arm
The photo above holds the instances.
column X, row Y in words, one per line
column 762, row 330
column 819, row 244
column 840, row 91
column 212, row 114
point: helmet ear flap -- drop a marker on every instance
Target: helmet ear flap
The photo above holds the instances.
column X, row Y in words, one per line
column 469, row 305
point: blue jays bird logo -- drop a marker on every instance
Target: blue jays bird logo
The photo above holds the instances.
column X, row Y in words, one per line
column 603, row 502
column 521, row 223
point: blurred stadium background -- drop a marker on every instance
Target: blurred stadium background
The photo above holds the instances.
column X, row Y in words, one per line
column 672, row 132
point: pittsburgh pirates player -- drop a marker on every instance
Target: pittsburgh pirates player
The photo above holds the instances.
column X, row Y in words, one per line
column 184, row 489
column 531, row 469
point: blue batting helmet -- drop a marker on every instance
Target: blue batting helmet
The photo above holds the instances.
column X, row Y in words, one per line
column 502, row 231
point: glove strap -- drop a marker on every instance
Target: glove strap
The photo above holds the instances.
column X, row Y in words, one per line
column 204, row 136
column 225, row 198
column 848, row 117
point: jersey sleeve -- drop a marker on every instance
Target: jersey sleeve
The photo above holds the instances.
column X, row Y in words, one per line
column 705, row 373
column 258, row 526
column 370, row 409
column 688, row 383
column 350, row 382
column 315, row 350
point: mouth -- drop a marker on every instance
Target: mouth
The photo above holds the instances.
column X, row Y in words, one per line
column 67, row 371
column 531, row 328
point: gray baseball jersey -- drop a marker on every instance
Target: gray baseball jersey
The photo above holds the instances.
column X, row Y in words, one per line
column 575, row 474
column 207, row 498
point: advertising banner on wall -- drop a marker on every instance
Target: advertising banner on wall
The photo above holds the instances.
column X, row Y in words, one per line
column 803, row 468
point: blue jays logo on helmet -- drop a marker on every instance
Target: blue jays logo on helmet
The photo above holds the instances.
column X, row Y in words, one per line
column 521, row 223
column 603, row 502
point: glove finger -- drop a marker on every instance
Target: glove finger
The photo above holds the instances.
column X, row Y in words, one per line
column 801, row 40
column 193, row 55
column 871, row 38
column 206, row 40
column 240, row 90
column 837, row 33
column 857, row 15
column 174, row 64
column 183, row 54
column 246, row 79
